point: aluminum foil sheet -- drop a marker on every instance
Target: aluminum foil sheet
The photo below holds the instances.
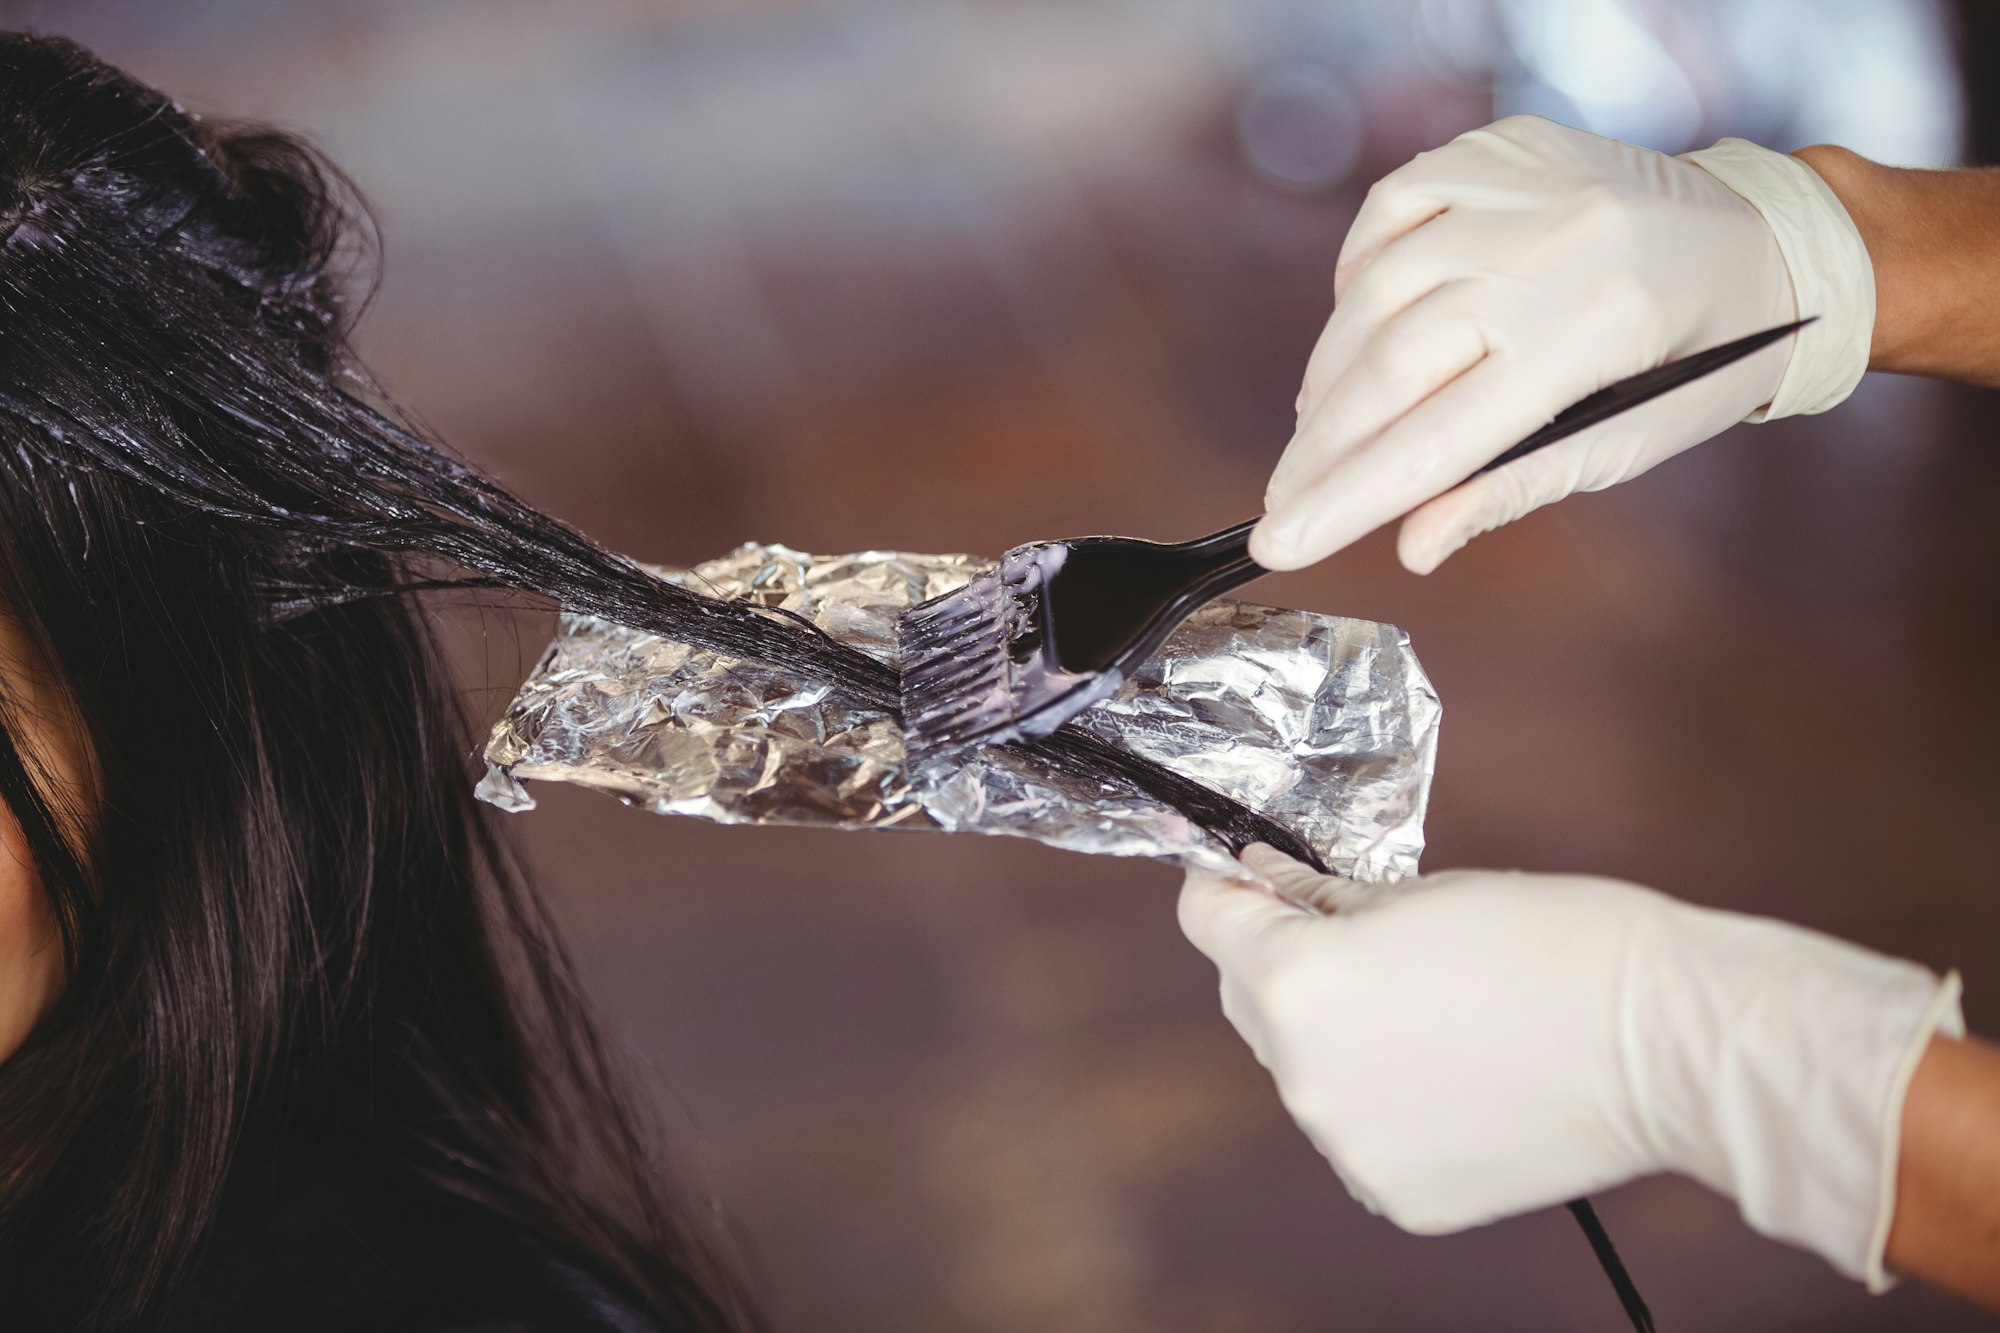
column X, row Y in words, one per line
column 1325, row 724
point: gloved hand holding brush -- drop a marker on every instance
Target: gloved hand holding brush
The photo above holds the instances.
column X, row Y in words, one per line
column 1487, row 285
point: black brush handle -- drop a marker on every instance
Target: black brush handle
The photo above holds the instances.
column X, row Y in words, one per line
column 1222, row 563
column 1228, row 551
column 1643, row 387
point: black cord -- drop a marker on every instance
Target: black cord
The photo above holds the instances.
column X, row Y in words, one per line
column 1614, row 1268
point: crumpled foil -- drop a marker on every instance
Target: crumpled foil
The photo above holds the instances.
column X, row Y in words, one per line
column 1325, row 724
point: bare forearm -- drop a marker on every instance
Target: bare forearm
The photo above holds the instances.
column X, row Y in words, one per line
column 1947, row 1226
column 1934, row 240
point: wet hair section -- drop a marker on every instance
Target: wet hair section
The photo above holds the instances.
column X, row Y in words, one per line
column 387, row 489
column 295, row 445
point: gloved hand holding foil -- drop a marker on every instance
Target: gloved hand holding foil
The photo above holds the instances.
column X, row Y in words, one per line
column 1531, row 1038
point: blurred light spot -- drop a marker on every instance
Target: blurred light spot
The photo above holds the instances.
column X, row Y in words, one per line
column 1877, row 77
column 1300, row 127
column 1608, row 64
column 1458, row 40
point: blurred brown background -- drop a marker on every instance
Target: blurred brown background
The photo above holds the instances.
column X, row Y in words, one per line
column 954, row 274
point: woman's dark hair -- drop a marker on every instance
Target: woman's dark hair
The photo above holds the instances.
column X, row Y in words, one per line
column 286, row 928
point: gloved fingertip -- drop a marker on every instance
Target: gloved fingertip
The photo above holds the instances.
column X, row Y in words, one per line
column 1439, row 528
column 1207, row 911
column 1295, row 882
column 1419, row 560
column 1276, row 541
column 1307, row 530
column 1266, row 860
column 1422, row 549
column 1237, row 874
column 1207, row 887
column 1230, row 920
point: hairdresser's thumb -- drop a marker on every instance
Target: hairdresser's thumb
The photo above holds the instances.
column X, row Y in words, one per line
column 1239, row 926
column 1298, row 883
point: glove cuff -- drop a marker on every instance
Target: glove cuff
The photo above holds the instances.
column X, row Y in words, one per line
column 1780, row 1079
column 1832, row 276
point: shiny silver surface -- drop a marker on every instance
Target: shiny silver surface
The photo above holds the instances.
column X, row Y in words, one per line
column 1328, row 725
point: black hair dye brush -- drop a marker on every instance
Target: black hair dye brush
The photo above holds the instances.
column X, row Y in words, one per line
column 1060, row 625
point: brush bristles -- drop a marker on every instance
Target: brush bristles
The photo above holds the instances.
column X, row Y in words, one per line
column 955, row 667
column 969, row 656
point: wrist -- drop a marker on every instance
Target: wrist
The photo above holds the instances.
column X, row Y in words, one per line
column 1936, row 254
column 1947, row 1224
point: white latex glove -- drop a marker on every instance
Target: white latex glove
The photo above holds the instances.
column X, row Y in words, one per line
column 1476, row 1044
column 1490, row 284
